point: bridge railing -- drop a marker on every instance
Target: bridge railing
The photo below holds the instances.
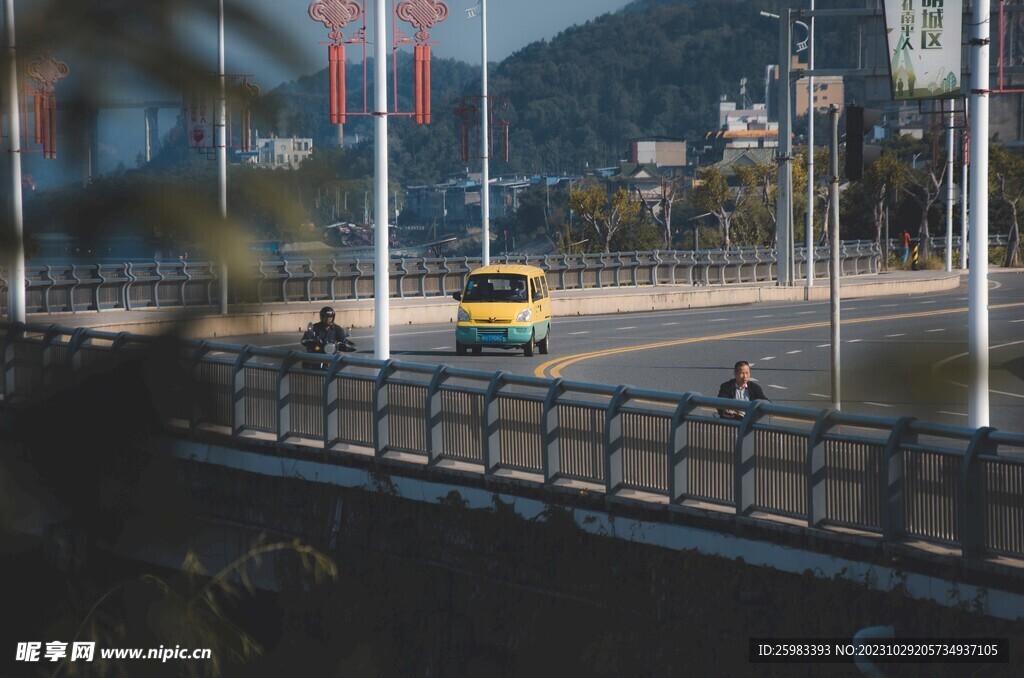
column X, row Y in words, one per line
column 901, row 481
column 133, row 285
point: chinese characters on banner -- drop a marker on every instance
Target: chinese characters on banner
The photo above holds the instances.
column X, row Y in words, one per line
column 924, row 48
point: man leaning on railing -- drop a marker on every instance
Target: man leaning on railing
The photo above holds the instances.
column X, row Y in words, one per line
column 740, row 387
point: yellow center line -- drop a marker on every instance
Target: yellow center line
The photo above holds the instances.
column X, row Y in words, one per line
column 553, row 368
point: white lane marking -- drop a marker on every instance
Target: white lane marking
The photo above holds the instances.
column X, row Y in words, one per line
column 769, row 357
column 853, row 341
column 794, row 352
column 823, row 345
column 584, row 332
column 1018, row 321
column 961, row 355
column 718, row 320
column 761, row 316
column 955, row 414
column 806, row 312
column 991, row 390
column 782, row 388
column 940, row 329
column 928, row 302
column 819, row 395
column 631, row 327
column 668, row 324
column 890, row 336
column 868, row 402
column 888, row 306
column 439, row 348
column 993, row 285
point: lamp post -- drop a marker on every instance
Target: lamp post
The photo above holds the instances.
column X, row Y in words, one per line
column 809, row 256
column 222, row 161
column 485, row 114
column 16, row 261
column 382, row 258
column 977, row 325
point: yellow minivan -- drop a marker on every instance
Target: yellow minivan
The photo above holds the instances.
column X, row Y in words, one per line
column 505, row 306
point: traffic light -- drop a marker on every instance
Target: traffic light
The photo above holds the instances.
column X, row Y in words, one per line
column 859, row 121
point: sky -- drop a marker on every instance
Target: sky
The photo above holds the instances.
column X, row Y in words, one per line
column 511, row 25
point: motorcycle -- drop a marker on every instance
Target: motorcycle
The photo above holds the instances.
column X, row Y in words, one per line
column 314, row 343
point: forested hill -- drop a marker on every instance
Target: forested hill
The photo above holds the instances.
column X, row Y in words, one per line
column 654, row 68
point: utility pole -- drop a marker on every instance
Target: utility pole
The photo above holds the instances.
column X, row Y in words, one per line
column 950, row 152
column 382, row 258
column 833, row 269
column 485, row 114
column 784, row 200
column 222, row 162
column 810, row 153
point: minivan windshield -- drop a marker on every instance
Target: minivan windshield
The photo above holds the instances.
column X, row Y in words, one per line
column 496, row 287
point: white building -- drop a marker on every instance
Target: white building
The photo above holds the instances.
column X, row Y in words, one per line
column 282, row 153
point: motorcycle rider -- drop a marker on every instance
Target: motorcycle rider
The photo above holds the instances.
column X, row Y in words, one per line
column 326, row 330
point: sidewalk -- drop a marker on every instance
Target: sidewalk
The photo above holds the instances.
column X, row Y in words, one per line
column 204, row 322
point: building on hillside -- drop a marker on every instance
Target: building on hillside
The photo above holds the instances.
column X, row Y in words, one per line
column 746, row 128
column 282, row 153
column 658, row 151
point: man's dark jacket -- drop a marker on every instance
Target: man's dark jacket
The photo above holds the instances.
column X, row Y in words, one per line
column 329, row 334
column 728, row 390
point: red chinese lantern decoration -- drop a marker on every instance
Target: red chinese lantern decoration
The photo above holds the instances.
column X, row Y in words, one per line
column 423, row 15
column 44, row 73
column 336, row 15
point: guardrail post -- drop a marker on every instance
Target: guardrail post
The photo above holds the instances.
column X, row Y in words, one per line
column 679, row 450
column 745, row 460
column 284, row 396
column 185, row 282
column 381, row 428
column 893, row 514
column 47, row 272
column 552, row 459
column 238, row 391
column 78, row 338
column 46, row 353
column 614, row 474
column 331, row 402
column 434, row 418
column 13, row 330
column 817, row 482
column 972, row 510
column 194, row 419
column 492, row 427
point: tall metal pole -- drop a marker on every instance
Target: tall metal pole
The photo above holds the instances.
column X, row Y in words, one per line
column 16, row 256
column 833, row 268
column 950, row 152
column 783, row 203
column 485, row 114
column 977, row 314
column 964, row 175
column 222, row 162
column 382, row 259
column 810, row 153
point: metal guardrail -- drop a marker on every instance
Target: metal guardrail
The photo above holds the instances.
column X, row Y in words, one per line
column 938, row 242
column 898, row 480
column 132, row 285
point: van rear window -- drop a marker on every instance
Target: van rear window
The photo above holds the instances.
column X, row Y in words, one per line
column 496, row 287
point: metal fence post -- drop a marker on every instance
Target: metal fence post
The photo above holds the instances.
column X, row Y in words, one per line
column 679, row 449
column 614, row 473
column 238, row 390
column 381, row 429
column 972, row 510
column 78, row 338
column 893, row 513
column 817, row 481
column 46, row 354
column 552, row 459
column 492, row 427
column 745, row 460
column 332, row 403
column 434, row 419
column 284, row 397
column 13, row 330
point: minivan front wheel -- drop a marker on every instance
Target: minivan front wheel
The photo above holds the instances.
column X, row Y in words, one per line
column 460, row 348
column 529, row 346
column 544, row 345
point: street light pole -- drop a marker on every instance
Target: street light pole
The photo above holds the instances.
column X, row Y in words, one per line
column 485, row 114
column 222, row 162
column 783, row 203
column 949, row 192
column 809, row 256
column 833, row 270
column 16, row 257
column 977, row 326
column 382, row 258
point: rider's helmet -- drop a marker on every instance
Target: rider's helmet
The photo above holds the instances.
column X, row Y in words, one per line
column 325, row 313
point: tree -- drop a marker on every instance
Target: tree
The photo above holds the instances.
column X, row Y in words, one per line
column 883, row 177
column 604, row 215
column 925, row 187
column 671, row 192
column 1006, row 183
column 712, row 194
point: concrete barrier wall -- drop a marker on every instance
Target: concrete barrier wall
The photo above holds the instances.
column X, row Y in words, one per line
column 273, row 318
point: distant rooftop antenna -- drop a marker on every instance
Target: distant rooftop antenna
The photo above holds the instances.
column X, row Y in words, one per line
column 745, row 101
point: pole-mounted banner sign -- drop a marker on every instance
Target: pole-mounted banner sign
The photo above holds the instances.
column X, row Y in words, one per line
column 924, row 48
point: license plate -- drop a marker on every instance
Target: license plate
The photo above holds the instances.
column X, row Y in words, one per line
column 492, row 338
